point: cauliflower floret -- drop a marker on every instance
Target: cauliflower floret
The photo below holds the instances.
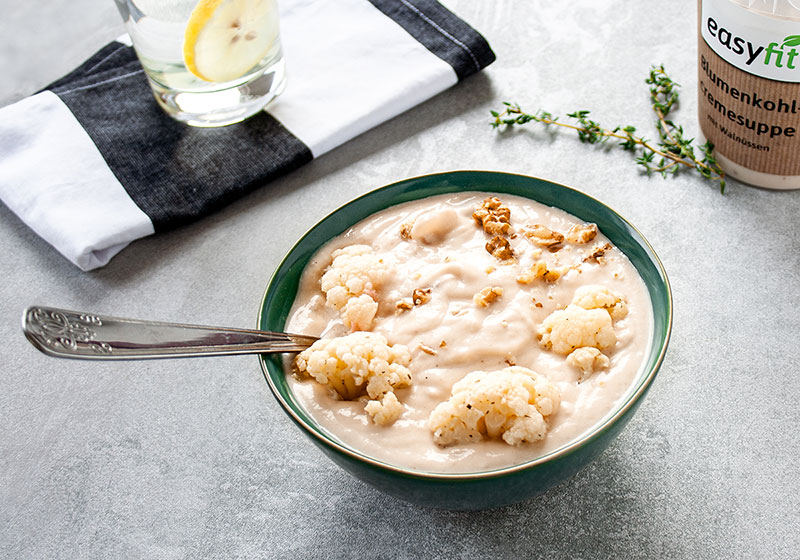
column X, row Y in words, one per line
column 574, row 327
column 357, row 364
column 599, row 297
column 356, row 273
column 510, row 403
column 386, row 410
column 587, row 360
column 359, row 312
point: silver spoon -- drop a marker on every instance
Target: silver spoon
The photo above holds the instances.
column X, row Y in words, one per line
column 87, row 336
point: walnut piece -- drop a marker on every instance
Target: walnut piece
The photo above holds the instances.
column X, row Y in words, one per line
column 487, row 295
column 404, row 305
column 538, row 271
column 493, row 216
column 597, row 254
column 500, row 248
column 405, row 230
column 551, row 276
column 582, row 233
column 421, row 296
column 427, row 349
column 543, row 236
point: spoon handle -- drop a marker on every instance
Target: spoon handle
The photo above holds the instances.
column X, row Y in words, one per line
column 86, row 336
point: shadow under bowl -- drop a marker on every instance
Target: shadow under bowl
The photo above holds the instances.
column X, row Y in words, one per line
column 498, row 487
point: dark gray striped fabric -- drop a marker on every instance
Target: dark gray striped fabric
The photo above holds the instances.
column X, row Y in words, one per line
column 176, row 173
column 173, row 172
column 441, row 32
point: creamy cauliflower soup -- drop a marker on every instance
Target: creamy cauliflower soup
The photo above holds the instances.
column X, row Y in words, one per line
column 467, row 332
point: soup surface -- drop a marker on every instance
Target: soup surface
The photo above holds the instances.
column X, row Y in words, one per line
column 436, row 244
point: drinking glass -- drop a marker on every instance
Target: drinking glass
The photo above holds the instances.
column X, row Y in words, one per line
column 209, row 62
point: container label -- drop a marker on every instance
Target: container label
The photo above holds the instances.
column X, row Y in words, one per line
column 758, row 44
column 749, row 86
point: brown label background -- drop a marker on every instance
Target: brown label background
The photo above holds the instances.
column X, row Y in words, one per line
column 783, row 157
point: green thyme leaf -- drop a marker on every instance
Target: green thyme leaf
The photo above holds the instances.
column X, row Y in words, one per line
column 674, row 150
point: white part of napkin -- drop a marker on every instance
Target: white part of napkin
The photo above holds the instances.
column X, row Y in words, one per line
column 350, row 67
column 41, row 160
column 365, row 71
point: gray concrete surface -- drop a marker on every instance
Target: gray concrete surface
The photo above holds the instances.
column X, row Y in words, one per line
column 194, row 459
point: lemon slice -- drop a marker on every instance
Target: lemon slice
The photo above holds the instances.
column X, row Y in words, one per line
column 224, row 39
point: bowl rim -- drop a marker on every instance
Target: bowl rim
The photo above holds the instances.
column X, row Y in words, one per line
column 587, row 437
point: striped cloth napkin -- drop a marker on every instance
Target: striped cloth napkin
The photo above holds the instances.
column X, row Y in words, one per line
column 91, row 163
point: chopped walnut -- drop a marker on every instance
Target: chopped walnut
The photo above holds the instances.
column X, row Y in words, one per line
column 538, row 271
column 496, row 228
column 493, row 216
column 551, row 276
column 598, row 253
column 544, row 237
column 487, row 295
column 582, row 233
column 418, row 297
column 500, row 248
column 421, row 296
column 443, row 344
column 490, row 269
column 526, row 277
column 427, row 349
column 405, row 230
column 537, row 303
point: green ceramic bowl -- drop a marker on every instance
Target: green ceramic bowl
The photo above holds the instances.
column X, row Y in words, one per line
column 497, row 487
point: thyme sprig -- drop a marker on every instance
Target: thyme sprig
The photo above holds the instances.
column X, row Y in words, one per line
column 672, row 152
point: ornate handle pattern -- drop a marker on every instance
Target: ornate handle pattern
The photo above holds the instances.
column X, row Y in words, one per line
column 64, row 330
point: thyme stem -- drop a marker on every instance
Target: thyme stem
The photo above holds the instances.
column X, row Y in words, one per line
column 673, row 149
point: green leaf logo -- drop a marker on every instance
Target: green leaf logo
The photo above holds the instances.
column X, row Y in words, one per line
column 791, row 41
